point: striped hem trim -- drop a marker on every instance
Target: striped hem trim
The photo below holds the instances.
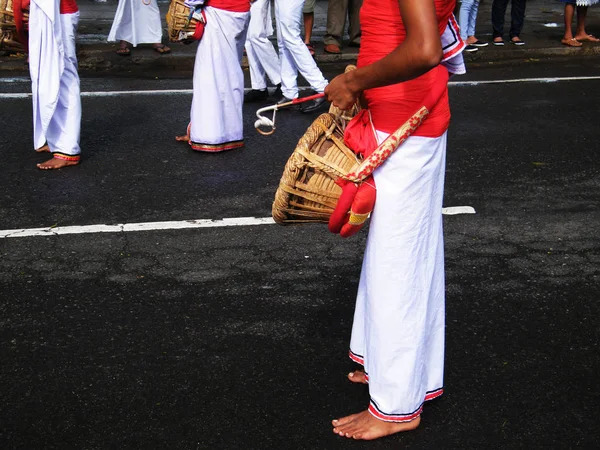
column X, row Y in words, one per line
column 356, row 358
column 213, row 148
column 65, row 157
column 376, row 411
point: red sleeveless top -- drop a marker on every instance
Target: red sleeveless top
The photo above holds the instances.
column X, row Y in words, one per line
column 68, row 6
column 382, row 32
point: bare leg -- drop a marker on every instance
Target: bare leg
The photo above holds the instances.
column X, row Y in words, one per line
column 366, row 427
column 580, row 34
column 568, row 38
column 309, row 20
column 56, row 163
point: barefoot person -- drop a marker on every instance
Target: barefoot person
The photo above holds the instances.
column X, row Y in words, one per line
column 216, row 121
column 398, row 330
column 580, row 34
column 54, row 81
column 137, row 22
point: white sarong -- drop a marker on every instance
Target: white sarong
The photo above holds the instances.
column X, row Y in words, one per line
column 137, row 22
column 398, row 330
column 262, row 57
column 216, row 121
column 54, row 79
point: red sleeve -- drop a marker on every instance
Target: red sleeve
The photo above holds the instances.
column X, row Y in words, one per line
column 68, row 6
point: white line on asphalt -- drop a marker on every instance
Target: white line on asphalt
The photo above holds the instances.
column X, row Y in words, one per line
column 173, row 225
column 9, row 95
column 523, row 80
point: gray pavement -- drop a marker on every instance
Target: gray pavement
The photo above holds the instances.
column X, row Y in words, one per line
column 542, row 32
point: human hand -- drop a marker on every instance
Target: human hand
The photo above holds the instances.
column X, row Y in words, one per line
column 340, row 91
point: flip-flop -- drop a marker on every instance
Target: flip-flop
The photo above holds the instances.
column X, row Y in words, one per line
column 162, row 49
column 589, row 38
column 124, row 51
column 571, row 42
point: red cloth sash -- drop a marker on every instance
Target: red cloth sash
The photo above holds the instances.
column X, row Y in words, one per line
column 230, row 5
column 382, row 32
column 68, row 6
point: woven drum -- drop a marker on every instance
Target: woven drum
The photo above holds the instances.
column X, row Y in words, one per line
column 8, row 30
column 307, row 191
column 178, row 22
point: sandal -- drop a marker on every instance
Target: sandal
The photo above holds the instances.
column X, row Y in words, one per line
column 571, row 42
column 124, row 51
column 311, row 49
column 161, row 48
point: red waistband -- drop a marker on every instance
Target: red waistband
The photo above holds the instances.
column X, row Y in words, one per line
column 230, row 5
column 68, row 6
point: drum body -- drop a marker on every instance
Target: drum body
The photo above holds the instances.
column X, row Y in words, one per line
column 179, row 23
column 307, row 190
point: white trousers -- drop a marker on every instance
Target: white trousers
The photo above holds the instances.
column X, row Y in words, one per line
column 216, row 114
column 54, row 79
column 262, row 57
column 137, row 22
column 293, row 53
column 398, row 330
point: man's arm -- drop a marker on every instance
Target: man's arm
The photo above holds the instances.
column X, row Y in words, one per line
column 420, row 52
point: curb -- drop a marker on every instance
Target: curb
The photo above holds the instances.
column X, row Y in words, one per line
column 99, row 59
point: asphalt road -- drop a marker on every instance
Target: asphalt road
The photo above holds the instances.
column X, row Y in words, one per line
column 236, row 337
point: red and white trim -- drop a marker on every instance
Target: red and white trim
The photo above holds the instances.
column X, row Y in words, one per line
column 456, row 44
column 214, row 148
column 376, row 412
column 65, row 157
column 356, row 358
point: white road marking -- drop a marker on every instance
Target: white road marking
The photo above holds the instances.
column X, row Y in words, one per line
column 172, row 225
column 9, row 95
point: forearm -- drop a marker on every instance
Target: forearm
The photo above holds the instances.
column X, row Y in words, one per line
column 410, row 60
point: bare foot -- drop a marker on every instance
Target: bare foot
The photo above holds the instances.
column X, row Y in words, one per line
column 56, row 163
column 358, row 376
column 366, row 427
column 587, row 37
column 43, row 149
column 184, row 138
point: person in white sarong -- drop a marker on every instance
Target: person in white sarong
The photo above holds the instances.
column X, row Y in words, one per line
column 54, row 83
column 137, row 22
column 263, row 60
column 216, row 121
column 399, row 321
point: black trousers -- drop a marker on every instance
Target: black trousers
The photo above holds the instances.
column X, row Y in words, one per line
column 517, row 16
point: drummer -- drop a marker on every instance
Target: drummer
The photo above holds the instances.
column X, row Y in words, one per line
column 398, row 331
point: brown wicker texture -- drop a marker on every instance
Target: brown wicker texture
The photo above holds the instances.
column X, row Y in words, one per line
column 307, row 191
column 178, row 20
column 8, row 28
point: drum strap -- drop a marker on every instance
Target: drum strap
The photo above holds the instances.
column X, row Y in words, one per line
column 19, row 24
